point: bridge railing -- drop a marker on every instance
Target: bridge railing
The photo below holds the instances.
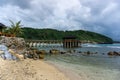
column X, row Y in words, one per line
column 39, row 43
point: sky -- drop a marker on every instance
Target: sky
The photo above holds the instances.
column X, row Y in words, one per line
column 101, row 16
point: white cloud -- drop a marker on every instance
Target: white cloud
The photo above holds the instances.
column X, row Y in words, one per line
column 101, row 16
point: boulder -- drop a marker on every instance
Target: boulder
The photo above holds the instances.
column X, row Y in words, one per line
column 89, row 53
column 41, row 53
column 34, row 54
column 110, row 53
column 18, row 56
column 63, row 52
column 14, row 43
column 54, row 51
column 113, row 53
column 1, row 52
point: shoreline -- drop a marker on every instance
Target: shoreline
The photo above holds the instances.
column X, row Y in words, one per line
column 79, row 71
column 68, row 72
column 29, row 70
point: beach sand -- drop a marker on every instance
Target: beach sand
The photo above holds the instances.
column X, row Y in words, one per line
column 29, row 69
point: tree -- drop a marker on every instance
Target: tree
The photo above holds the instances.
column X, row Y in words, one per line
column 15, row 28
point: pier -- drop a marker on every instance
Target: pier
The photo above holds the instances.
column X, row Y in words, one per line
column 45, row 43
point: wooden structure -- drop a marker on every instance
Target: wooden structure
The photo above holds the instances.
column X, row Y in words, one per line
column 70, row 42
column 2, row 26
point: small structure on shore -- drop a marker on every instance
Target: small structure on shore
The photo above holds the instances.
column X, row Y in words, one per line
column 2, row 26
column 2, row 33
column 70, row 42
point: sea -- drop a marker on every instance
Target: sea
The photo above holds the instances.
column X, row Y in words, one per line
column 100, row 59
column 97, row 66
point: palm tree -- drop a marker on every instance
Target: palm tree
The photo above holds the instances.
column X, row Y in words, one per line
column 15, row 28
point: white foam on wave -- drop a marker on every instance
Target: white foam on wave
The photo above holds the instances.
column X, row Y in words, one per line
column 113, row 46
column 102, row 45
column 90, row 45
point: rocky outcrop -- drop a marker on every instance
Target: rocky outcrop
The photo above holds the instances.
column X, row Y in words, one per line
column 54, row 51
column 35, row 54
column 16, row 44
column 18, row 56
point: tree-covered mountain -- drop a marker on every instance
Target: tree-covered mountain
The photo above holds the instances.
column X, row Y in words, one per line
column 52, row 34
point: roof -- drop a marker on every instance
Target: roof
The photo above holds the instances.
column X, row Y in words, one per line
column 69, row 37
column 2, row 25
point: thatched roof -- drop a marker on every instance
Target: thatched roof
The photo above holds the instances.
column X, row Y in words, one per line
column 2, row 26
column 69, row 37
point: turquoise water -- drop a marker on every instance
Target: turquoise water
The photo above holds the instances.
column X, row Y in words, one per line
column 98, row 66
column 101, row 59
column 101, row 48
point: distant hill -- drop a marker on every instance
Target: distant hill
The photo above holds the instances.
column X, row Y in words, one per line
column 52, row 34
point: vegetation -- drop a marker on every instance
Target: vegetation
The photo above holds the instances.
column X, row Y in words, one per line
column 52, row 34
column 14, row 29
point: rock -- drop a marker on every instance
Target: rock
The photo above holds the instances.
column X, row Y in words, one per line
column 96, row 53
column 18, row 44
column 41, row 54
column 54, row 51
column 34, row 54
column 88, row 53
column 1, row 52
column 28, row 54
column 62, row 52
column 80, row 52
column 113, row 53
column 110, row 53
column 71, row 51
column 116, row 53
column 18, row 56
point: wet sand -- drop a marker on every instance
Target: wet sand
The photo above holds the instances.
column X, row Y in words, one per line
column 29, row 69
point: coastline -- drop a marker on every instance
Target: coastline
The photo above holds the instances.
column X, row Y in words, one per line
column 85, row 69
column 68, row 72
column 29, row 70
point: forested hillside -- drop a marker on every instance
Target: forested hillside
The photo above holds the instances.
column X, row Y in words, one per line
column 52, row 34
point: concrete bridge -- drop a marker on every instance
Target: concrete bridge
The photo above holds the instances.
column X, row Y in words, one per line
column 48, row 43
column 44, row 43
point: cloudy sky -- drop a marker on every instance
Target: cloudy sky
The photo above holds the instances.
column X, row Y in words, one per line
column 102, row 16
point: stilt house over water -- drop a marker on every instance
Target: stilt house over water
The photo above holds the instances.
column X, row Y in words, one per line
column 70, row 42
column 2, row 26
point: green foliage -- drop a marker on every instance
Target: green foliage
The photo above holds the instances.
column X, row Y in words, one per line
column 52, row 34
column 15, row 28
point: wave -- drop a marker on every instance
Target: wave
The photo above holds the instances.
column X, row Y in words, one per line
column 102, row 45
column 113, row 46
column 91, row 45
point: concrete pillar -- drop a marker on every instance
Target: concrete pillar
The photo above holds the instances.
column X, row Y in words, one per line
column 67, row 44
column 70, row 45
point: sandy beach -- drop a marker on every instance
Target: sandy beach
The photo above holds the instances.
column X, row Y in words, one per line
column 29, row 69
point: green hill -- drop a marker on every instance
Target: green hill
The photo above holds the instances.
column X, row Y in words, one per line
column 52, row 34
